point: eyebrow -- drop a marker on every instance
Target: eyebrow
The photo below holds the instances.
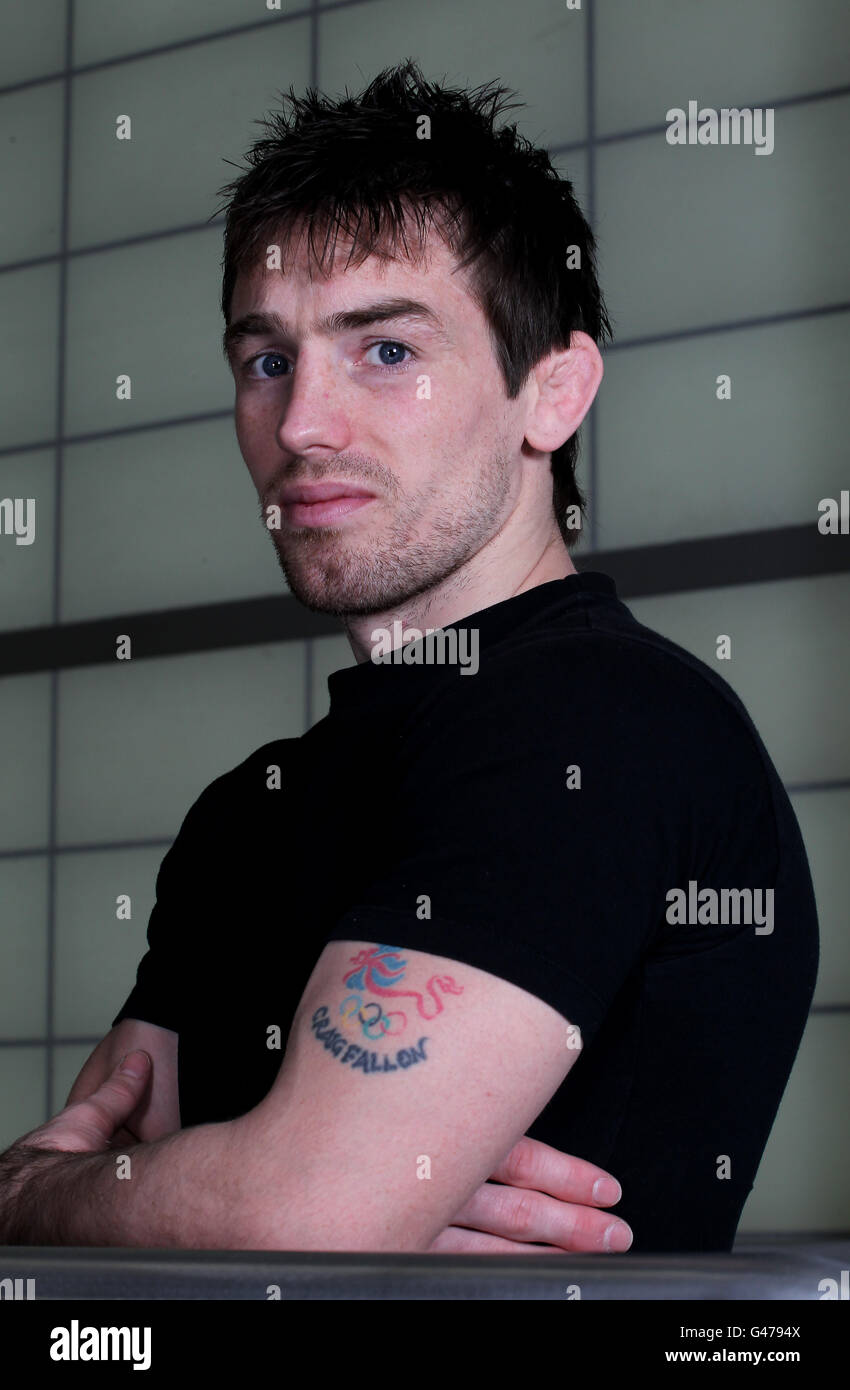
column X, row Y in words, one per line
column 269, row 324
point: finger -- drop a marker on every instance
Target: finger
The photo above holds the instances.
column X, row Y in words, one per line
column 531, row 1163
column 114, row 1101
column 454, row 1240
column 519, row 1214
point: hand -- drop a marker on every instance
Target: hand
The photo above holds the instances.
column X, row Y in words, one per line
column 505, row 1220
column 83, row 1127
column 91, row 1125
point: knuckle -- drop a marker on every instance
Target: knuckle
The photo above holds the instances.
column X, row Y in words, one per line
column 518, row 1214
column 74, row 1116
column 99, row 1109
column 521, row 1164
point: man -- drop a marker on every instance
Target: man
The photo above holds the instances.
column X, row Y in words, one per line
column 535, row 871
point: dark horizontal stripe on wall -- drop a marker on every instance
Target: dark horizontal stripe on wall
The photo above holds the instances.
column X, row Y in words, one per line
column 750, row 557
column 753, row 557
column 164, row 632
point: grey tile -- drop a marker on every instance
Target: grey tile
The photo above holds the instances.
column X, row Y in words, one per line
column 29, row 312
column 68, row 1061
column 24, row 786
column 148, row 312
column 825, row 826
column 140, row 740
column 22, row 1082
column 31, row 172
column 803, row 1183
column 109, row 28
column 162, row 519
column 676, row 462
column 32, row 40
column 537, row 50
column 697, row 235
column 23, row 948
column 662, row 53
column 573, row 166
column 96, row 952
column 790, row 663
column 190, row 111
column 26, row 568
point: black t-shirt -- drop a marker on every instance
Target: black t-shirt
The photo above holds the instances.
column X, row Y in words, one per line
column 546, row 805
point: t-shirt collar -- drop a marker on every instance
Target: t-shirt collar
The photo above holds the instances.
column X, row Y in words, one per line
column 375, row 681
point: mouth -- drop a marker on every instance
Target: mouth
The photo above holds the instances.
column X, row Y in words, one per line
column 318, row 504
column 325, row 510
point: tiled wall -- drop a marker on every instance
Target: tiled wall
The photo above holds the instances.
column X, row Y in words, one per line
column 713, row 260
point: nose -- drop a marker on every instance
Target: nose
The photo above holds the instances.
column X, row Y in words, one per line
column 313, row 412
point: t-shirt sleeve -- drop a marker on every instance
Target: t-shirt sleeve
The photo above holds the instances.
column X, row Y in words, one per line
column 165, row 974
column 535, row 821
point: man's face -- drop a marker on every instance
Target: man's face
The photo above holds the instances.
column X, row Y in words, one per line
column 411, row 411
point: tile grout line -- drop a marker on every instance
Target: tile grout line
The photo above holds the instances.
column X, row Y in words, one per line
column 56, row 675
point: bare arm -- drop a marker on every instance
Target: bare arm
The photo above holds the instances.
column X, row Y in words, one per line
column 185, row 1191
column 552, row 1197
column 330, row 1159
column 133, row 1111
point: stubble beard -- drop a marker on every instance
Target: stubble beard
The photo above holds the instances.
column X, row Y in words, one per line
column 331, row 570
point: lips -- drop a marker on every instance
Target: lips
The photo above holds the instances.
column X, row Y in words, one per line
column 328, row 510
column 311, row 493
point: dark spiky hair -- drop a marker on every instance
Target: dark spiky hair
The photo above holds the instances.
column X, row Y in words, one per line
column 359, row 165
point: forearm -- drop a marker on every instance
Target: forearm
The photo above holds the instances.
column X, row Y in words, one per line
column 185, row 1191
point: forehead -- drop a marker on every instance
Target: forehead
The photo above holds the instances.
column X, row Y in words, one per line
column 431, row 271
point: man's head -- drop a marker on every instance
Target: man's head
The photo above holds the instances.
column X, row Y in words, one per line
column 445, row 408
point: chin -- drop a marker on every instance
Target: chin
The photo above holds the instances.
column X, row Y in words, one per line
column 325, row 588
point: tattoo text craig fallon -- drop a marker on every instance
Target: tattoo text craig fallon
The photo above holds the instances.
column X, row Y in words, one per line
column 375, row 976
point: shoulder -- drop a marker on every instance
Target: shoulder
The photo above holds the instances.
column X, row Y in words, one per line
column 222, row 805
column 625, row 689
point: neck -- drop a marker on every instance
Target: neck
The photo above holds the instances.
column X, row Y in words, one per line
column 478, row 584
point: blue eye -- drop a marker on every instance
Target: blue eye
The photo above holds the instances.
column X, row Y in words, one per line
column 393, row 346
column 263, row 358
column 271, row 373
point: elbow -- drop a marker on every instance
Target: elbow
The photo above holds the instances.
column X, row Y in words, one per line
column 297, row 1231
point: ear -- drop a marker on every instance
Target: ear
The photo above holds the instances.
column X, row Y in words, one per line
column 566, row 382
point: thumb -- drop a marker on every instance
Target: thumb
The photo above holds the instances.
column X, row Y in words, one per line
column 86, row 1126
column 121, row 1091
column 134, row 1064
column 119, row 1094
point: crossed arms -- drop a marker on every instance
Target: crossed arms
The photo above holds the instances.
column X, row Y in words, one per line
column 408, row 1079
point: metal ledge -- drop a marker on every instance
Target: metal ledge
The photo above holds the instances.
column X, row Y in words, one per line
column 760, row 1268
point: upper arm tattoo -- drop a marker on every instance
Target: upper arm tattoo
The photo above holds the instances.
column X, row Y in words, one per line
column 374, row 979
